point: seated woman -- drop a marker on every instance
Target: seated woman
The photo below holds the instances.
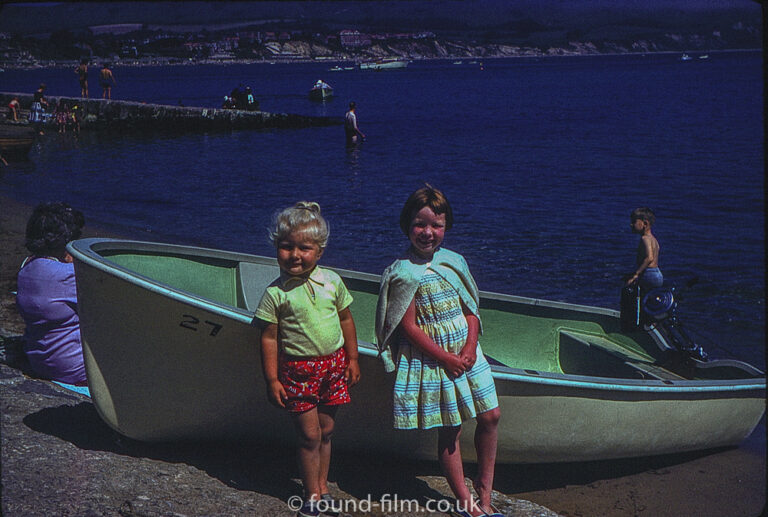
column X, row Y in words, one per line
column 47, row 298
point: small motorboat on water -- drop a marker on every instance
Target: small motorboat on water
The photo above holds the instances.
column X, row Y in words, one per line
column 321, row 91
column 390, row 63
column 685, row 57
column 16, row 139
column 171, row 354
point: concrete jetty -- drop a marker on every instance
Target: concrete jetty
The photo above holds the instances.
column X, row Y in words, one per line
column 129, row 115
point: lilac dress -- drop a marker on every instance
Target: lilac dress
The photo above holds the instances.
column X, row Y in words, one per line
column 47, row 300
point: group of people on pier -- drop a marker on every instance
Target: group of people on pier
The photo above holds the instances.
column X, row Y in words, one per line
column 65, row 116
column 106, row 79
column 42, row 112
column 241, row 100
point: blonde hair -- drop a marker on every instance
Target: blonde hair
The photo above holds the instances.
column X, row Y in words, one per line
column 304, row 217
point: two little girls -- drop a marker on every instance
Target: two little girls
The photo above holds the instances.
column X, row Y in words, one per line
column 427, row 327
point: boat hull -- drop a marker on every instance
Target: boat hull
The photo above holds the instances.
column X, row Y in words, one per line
column 384, row 65
column 167, row 364
column 16, row 140
column 320, row 94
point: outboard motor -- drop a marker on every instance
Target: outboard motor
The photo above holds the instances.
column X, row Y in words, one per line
column 657, row 307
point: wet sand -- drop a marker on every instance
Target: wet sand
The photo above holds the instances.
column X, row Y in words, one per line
column 727, row 483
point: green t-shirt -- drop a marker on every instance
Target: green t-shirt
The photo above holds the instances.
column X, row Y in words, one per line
column 306, row 312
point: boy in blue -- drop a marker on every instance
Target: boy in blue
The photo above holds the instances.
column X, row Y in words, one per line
column 647, row 273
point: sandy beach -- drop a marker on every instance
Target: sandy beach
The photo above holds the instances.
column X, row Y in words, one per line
column 727, row 483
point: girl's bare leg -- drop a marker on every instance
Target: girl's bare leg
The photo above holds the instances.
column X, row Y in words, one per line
column 486, row 439
column 309, row 437
column 327, row 419
column 449, row 454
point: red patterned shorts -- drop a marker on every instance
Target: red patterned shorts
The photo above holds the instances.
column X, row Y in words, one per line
column 310, row 382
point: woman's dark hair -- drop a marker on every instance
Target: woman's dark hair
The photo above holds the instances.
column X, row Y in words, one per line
column 51, row 226
column 425, row 196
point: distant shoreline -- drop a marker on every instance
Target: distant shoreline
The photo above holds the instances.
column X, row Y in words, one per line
column 332, row 61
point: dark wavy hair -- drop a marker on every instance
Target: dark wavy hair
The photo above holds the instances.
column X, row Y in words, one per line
column 51, row 226
column 425, row 196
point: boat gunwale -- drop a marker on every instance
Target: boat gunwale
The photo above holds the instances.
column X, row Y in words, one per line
column 95, row 244
column 87, row 251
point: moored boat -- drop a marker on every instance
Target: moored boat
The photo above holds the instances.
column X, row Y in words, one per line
column 16, row 140
column 384, row 64
column 171, row 354
column 321, row 91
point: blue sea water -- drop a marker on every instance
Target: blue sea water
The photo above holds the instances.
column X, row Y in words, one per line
column 542, row 160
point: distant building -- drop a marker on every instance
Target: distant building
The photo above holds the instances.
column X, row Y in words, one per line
column 120, row 28
column 354, row 39
column 250, row 37
column 197, row 47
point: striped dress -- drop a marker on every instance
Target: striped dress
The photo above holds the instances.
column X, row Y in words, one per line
column 425, row 396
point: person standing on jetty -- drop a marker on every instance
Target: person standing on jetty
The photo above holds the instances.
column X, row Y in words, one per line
column 353, row 133
column 82, row 75
column 427, row 326
column 250, row 103
column 647, row 273
column 47, row 297
column 37, row 114
column 63, row 115
column 308, row 344
column 106, row 80
column 13, row 110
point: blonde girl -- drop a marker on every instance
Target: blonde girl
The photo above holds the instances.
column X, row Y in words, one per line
column 308, row 343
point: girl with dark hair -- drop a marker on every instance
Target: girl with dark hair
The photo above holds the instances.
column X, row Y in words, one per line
column 47, row 297
column 427, row 328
